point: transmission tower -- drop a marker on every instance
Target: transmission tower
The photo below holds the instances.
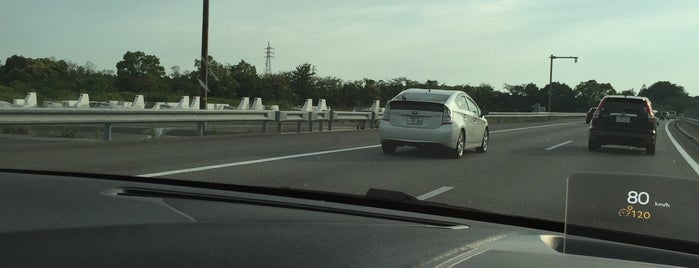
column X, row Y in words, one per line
column 269, row 55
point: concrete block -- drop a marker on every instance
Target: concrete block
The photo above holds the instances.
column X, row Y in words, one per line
column 244, row 104
column 257, row 105
column 138, row 102
column 83, row 101
column 28, row 102
column 308, row 106
column 184, row 103
column 321, row 106
column 195, row 104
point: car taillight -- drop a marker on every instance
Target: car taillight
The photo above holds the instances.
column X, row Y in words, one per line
column 651, row 116
column 595, row 115
column 446, row 118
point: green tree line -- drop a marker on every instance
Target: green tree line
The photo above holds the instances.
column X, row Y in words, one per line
column 140, row 73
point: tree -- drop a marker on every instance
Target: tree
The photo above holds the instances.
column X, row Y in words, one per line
column 275, row 87
column 388, row 90
column 590, row 93
column 220, row 81
column 246, row 76
column 329, row 88
column 666, row 96
column 562, row 99
column 140, row 73
column 302, row 81
column 483, row 94
column 521, row 98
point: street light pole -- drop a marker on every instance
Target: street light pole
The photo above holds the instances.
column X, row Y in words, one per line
column 203, row 76
column 552, row 57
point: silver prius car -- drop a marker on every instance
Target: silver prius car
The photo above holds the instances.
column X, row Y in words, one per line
column 419, row 117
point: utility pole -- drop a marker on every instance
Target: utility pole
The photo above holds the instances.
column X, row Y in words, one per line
column 203, row 72
column 552, row 57
column 269, row 55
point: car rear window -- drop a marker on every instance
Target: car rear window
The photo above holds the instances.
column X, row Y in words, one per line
column 429, row 97
column 416, row 105
column 628, row 106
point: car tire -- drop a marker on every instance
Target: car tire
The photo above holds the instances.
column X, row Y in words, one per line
column 650, row 149
column 458, row 150
column 388, row 147
column 592, row 145
column 484, row 143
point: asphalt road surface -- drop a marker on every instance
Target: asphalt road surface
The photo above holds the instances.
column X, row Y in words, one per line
column 523, row 173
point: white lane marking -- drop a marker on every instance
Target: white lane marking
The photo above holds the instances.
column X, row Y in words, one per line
column 186, row 170
column 557, row 145
column 463, row 257
column 523, row 128
column 679, row 148
column 178, row 171
column 434, row 193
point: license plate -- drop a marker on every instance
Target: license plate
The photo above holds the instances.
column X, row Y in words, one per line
column 414, row 121
column 623, row 119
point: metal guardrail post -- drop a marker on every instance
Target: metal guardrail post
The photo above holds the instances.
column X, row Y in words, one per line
column 330, row 122
column 373, row 119
column 107, row 136
column 278, row 119
column 310, row 121
column 298, row 126
column 264, row 127
column 201, row 126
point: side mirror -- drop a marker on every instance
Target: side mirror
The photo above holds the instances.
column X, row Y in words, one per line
column 484, row 113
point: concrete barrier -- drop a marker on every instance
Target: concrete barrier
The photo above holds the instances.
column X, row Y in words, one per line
column 138, row 102
column 28, row 102
column 183, row 104
column 257, row 105
column 322, row 107
column 244, row 104
column 195, row 103
column 82, row 102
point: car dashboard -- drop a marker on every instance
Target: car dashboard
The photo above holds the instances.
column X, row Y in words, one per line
column 74, row 220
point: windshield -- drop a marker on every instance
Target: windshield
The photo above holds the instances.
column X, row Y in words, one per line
column 311, row 94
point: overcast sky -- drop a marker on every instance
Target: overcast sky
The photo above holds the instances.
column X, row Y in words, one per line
column 625, row 43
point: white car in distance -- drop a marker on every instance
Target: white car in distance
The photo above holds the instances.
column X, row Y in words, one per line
column 422, row 117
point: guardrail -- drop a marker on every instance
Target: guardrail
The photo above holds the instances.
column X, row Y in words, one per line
column 47, row 116
column 108, row 117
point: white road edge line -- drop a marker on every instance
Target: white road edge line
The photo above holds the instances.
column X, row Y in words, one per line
column 558, row 145
column 679, row 148
column 187, row 170
column 523, row 128
column 434, row 193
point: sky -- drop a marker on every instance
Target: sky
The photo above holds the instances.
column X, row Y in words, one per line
column 624, row 43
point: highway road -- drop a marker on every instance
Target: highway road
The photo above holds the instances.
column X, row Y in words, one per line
column 523, row 173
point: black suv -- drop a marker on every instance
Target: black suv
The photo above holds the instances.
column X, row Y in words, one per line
column 623, row 120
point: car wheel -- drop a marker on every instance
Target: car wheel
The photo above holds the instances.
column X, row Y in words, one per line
column 592, row 145
column 484, row 142
column 388, row 147
column 458, row 150
column 650, row 149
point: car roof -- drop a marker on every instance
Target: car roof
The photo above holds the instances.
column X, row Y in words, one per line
column 432, row 91
column 427, row 95
column 625, row 97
